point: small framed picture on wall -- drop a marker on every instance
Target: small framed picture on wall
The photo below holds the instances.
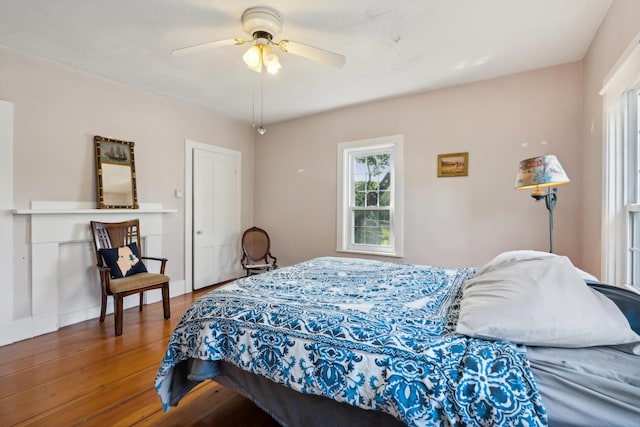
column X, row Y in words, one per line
column 453, row 164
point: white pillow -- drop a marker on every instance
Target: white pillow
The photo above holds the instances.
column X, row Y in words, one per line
column 510, row 257
column 524, row 255
column 541, row 301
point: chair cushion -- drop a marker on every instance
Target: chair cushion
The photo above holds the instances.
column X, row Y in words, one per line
column 137, row 281
column 258, row 266
column 123, row 261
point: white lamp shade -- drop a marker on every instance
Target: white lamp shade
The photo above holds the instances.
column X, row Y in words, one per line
column 541, row 171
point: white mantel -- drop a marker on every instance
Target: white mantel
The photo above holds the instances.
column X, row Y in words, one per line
column 86, row 208
column 65, row 288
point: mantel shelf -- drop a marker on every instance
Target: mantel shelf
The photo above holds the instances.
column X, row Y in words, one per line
column 86, row 208
column 88, row 211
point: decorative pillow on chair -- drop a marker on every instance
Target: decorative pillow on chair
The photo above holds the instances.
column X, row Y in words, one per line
column 123, row 261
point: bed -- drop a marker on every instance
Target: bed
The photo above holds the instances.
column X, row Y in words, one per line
column 344, row 341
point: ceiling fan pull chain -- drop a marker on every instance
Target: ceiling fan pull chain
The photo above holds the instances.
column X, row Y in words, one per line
column 253, row 102
column 262, row 130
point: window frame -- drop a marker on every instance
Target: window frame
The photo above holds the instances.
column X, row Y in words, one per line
column 631, row 140
column 346, row 151
column 621, row 195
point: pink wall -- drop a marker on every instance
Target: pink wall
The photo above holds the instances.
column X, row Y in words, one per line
column 58, row 111
column 619, row 27
column 448, row 221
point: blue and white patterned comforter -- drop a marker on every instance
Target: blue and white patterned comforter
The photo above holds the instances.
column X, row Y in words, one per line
column 372, row 334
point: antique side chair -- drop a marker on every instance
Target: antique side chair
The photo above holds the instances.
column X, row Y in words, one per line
column 256, row 251
column 122, row 272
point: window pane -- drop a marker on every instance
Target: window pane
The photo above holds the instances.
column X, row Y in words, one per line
column 372, row 198
column 385, row 183
column 358, row 218
column 634, row 248
column 372, row 174
column 385, row 198
column 635, row 270
column 361, row 177
column 371, row 236
column 371, row 227
column 371, row 219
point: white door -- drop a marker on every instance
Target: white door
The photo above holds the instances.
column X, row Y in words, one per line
column 216, row 216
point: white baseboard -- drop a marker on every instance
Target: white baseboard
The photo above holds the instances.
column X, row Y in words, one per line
column 22, row 329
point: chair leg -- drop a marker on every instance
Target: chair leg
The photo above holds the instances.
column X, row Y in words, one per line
column 103, row 306
column 117, row 299
column 165, row 301
column 141, row 300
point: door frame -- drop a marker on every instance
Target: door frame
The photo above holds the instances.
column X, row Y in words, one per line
column 189, row 147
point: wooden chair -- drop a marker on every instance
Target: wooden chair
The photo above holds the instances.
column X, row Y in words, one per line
column 116, row 236
column 256, row 251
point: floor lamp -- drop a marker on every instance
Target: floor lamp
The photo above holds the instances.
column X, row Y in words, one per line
column 543, row 174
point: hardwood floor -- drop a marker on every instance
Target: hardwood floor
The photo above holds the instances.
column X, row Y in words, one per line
column 84, row 375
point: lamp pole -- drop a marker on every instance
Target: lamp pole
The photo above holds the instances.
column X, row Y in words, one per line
column 550, row 200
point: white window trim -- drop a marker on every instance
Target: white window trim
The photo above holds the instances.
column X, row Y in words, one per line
column 615, row 216
column 343, row 232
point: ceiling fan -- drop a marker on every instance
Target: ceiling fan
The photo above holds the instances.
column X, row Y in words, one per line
column 263, row 24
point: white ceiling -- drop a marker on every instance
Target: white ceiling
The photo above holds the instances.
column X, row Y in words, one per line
column 393, row 47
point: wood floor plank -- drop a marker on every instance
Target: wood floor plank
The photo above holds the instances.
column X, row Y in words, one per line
column 147, row 404
column 212, row 407
column 89, row 351
column 84, row 375
column 72, row 412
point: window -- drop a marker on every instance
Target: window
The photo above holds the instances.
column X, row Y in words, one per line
column 370, row 196
column 621, row 217
column 631, row 106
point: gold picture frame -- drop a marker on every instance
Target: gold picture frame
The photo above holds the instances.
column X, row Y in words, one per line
column 453, row 164
column 115, row 174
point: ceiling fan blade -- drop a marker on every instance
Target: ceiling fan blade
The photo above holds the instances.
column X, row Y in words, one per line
column 312, row 53
column 208, row 45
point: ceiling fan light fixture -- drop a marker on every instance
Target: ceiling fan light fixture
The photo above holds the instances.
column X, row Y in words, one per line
column 270, row 59
column 253, row 58
column 262, row 54
column 273, row 68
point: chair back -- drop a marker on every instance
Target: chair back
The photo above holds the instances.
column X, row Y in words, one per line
column 256, row 244
column 115, row 234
